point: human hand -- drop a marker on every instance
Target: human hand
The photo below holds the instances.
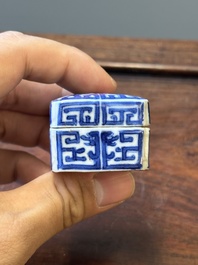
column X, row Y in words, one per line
column 32, row 73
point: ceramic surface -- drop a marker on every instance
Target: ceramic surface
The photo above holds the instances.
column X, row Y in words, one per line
column 99, row 132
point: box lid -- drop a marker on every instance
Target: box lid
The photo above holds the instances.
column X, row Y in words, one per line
column 90, row 110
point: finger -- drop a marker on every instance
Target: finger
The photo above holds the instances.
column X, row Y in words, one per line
column 23, row 129
column 32, row 97
column 52, row 202
column 20, row 166
column 47, row 61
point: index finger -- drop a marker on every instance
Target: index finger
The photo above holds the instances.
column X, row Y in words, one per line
column 46, row 61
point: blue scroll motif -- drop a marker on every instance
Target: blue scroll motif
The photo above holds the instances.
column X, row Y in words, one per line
column 122, row 113
column 70, row 140
column 108, row 139
column 118, row 96
column 79, row 97
column 97, row 96
column 99, row 149
column 100, row 110
column 71, row 154
column 79, row 114
column 127, row 152
column 93, row 139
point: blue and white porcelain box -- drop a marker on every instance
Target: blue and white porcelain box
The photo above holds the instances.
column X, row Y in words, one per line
column 99, row 132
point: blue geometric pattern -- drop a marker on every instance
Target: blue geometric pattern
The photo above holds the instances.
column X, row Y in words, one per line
column 99, row 149
column 98, row 110
column 79, row 114
column 99, row 132
column 122, row 113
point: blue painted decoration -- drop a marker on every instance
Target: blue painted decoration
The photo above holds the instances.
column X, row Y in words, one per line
column 99, row 132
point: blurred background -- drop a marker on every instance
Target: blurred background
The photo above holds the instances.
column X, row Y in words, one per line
column 170, row 19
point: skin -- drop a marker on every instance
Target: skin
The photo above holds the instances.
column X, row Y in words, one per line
column 33, row 72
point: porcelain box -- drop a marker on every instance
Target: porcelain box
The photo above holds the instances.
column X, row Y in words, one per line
column 99, row 132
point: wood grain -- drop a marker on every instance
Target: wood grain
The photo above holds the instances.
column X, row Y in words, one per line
column 156, row 56
column 159, row 224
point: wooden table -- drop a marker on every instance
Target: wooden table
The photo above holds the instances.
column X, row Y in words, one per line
column 159, row 224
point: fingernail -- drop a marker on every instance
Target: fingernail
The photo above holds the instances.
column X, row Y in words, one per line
column 65, row 92
column 113, row 187
column 113, row 82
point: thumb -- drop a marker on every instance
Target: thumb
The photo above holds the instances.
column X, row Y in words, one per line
column 52, row 202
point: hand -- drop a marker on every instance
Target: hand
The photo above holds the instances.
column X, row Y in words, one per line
column 34, row 71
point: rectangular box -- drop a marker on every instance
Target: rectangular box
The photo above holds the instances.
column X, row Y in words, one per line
column 99, row 132
column 90, row 149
